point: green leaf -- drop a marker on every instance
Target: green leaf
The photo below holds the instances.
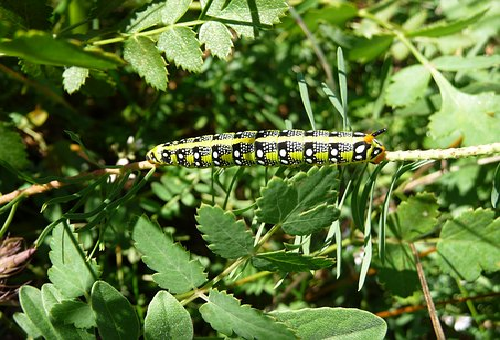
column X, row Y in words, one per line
column 28, row 327
column 407, row 86
column 495, row 190
column 364, row 50
column 31, row 302
column 244, row 16
column 446, row 28
column 398, row 271
column 145, row 58
column 181, row 47
column 417, row 216
column 468, row 244
column 42, row 48
column 216, row 38
column 475, row 118
column 151, row 16
column 167, row 319
column 227, row 316
column 226, row 236
column 12, row 149
column 333, row 323
column 176, row 271
column 70, row 273
column 34, row 307
column 74, row 78
column 303, row 204
column 281, row 261
column 50, row 297
column 114, row 315
column 174, row 10
column 73, row 312
column 458, row 63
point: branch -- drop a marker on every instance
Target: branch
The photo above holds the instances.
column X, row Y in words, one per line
column 416, row 155
column 40, row 188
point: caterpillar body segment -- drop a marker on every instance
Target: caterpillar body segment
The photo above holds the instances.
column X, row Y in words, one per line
column 270, row 148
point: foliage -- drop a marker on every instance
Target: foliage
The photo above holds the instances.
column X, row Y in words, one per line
column 117, row 252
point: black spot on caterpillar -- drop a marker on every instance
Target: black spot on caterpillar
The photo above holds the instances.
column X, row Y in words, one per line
column 270, row 148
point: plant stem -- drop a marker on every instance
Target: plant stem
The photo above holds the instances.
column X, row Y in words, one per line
column 428, row 299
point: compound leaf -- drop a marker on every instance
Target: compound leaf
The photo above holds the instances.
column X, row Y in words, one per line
column 226, row 236
column 468, row 244
column 144, row 57
column 151, row 16
column 181, row 47
column 417, row 216
column 228, row 316
column 175, row 270
column 245, row 16
column 73, row 312
column 174, row 10
column 303, row 204
column 216, row 38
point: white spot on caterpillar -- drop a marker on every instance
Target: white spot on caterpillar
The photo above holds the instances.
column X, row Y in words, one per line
column 260, row 153
column 237, row 161
column 181, row 156
column 309, row 152
column 358, row 157
column 360, row 148
column 196, row 155
column 284, row 161
column 215, row 155
column 216, row 162
column 236, row 153
column 376, row 151
column 283, row 153
column 261, row 162
column 308, row 160
column 334, row 152
column 197, row 163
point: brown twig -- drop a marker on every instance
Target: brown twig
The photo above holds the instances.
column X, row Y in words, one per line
column 428, row 299
column 40, row 188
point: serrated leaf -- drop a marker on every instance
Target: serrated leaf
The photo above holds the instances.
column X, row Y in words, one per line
column 408, row 85
column 42, row 48
column 226, row 236
column 446, row 28
column 460, row 111
column 144, row 57
column 151, row 16
column 244, row 17
column 50, row 297
column 216, row 38
column 458, row 63
column 167, row 319
column 227, row 316
column 176, row 271
column 70, row 273
column 114, row 315
column 333, row 323
column 302, row 204
column 417, row 216
column 74, row 78
column 182, row 47
column 398, row 272
column 12, row 149
column 174, row 10
column 73, row 312
column 468, row 244
column 281, row 261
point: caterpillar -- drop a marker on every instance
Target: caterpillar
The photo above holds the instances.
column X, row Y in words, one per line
column 270, row 148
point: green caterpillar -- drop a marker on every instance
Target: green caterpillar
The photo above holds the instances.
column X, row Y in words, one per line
column 270, row 148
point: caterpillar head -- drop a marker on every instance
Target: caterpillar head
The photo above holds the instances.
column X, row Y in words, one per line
column 153, row 156
column 377, row 153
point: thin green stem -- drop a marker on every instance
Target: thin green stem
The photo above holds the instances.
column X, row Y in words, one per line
column 9, row 218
